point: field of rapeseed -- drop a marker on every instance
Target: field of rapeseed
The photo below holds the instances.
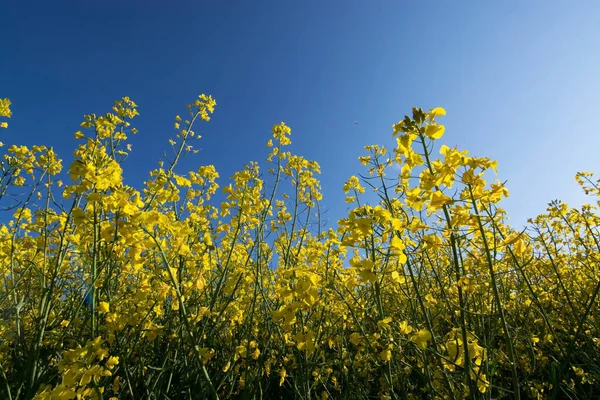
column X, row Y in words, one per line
column 109, row 292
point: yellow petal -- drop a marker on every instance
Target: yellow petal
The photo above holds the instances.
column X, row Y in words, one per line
column 437, row 112
column 434, row 131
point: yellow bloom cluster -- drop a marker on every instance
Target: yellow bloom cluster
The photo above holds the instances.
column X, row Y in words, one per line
column 113, row 292
column 5, row 111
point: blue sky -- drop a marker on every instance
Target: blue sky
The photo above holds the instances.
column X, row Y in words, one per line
column 519, row 80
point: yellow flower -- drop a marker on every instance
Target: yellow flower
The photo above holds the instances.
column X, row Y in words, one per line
column 384, row 323
column 438, row 200
column 437, row 112
column 206, row 354
column 482, row 383
column 397, row 245
column 104, row 307
column 385, row 355
column 111, row 362
column 282, row 375
column 396, row 277
column 355, row 338
column 434, row 131
column 405, row 328
column 5, row 108
column 430, row 301
column 226, row 367
column 421, row 338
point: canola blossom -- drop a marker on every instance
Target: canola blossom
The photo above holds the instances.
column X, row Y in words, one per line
column 160, row 292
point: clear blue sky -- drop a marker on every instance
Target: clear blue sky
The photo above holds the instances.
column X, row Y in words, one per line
column 519, row 80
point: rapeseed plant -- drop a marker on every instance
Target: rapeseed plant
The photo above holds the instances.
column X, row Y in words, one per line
column 111, row 292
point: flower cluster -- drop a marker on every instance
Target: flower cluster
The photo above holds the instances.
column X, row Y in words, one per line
column 177, row 290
